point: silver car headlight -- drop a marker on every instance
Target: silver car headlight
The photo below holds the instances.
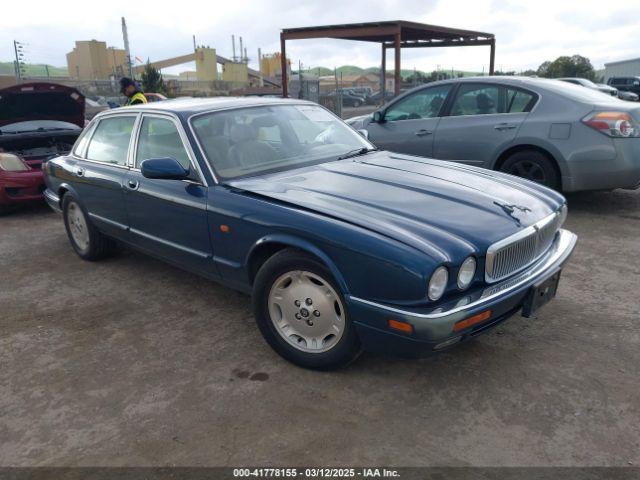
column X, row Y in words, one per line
column 466, row 273
column 12, row 163
column 438, row 283
column 563, row 215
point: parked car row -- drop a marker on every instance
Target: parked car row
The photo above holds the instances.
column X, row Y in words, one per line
column 346, row 241
column 344, row 247
column 561, row 135
column 628, row 87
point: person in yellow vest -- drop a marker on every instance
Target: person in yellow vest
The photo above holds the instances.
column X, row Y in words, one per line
column 130, row 90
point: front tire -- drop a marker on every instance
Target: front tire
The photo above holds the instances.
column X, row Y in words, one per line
column 301, row 312
column 532, row 165
column 85, row 239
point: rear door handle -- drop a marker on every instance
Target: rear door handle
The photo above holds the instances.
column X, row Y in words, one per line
column 504, row 126
column 133, row 184
column 423, row 132
column 80, row 171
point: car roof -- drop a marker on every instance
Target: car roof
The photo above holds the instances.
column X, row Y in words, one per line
column 185, row 107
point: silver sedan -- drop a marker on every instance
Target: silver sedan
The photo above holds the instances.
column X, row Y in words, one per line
column 564, row 136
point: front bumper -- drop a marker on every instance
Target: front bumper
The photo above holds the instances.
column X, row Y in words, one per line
column 433, row 327
column 20, row 187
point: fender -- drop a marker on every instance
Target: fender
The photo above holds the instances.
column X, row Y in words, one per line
column 302, row 244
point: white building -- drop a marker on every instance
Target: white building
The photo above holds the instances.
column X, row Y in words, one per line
column 622, row 68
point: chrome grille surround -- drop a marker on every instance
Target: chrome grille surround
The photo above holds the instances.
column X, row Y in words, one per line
column 517, row 252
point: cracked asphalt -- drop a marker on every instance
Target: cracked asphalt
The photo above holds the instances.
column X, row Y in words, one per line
column 132, row 362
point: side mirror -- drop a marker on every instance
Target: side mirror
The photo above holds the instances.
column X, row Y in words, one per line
column 163, row 168
column 364, row 133
column 378, row 116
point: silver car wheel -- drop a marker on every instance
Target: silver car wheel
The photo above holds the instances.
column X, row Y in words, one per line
column 529, row 170
column 306, row 311
column 78, row 226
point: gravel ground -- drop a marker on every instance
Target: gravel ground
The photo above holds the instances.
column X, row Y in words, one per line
column 133, row 362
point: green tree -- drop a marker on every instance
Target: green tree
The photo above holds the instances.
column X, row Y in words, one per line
column 574, row 66
column 152, row 80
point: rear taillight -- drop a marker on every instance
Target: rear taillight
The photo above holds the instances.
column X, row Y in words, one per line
column 614, row 124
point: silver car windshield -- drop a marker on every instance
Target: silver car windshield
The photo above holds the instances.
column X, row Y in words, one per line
column 255, row 140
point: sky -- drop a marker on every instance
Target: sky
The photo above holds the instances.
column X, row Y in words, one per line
column 527, row 32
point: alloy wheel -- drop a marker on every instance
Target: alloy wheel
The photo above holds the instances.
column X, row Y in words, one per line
column 306, row 311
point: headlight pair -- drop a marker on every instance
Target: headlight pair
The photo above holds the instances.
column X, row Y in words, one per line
column 440, row 278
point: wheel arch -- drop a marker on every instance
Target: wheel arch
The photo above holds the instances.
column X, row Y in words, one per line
column 269, row 245
column 63, row 189
column 554, row 156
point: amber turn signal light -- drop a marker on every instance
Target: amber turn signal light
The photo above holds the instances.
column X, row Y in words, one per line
column 403, row 327
column 225, row 228
column 468, row 322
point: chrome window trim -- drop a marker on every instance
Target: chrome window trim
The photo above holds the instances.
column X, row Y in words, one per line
column 497, row 246
column 95, row 127
column 186, row 144
column 88, row 132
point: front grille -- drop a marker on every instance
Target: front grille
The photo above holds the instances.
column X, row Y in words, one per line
column 515, row 253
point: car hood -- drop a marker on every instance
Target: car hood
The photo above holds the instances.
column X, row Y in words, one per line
column 427, row 204
column 357, row 122
column 41, row 101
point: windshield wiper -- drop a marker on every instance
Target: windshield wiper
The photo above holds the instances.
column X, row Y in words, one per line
column 356, row 152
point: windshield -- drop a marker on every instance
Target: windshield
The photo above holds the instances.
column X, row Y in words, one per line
column 256, row 140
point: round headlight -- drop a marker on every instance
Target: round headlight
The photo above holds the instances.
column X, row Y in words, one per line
column 466, row 273
column 438, row 283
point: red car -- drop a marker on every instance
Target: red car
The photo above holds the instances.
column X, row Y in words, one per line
column 38, row 121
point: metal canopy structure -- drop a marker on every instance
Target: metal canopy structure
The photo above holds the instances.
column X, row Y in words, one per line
column 396, row 34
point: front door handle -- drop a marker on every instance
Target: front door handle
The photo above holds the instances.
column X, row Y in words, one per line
column 80, row 171
column 423, row 132
column 133, row 184
column 504, row 126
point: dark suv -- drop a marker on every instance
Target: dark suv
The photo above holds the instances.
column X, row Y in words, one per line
column 627, row 84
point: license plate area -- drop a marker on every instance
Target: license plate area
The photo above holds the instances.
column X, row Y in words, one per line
column 541, row 294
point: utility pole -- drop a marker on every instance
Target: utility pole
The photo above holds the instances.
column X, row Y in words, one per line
column 125, row 37
column 17, row 48
column 194, row 43
column 233, row 45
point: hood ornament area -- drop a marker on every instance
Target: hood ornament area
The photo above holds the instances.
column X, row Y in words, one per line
column 511, row 209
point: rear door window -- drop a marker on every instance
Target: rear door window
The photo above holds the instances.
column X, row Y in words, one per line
column 476, row 99
column 110, row 141
column 519, row 101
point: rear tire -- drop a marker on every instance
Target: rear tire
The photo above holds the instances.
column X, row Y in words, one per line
column 302, row 314
column 532, row 165
column 86, row 240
